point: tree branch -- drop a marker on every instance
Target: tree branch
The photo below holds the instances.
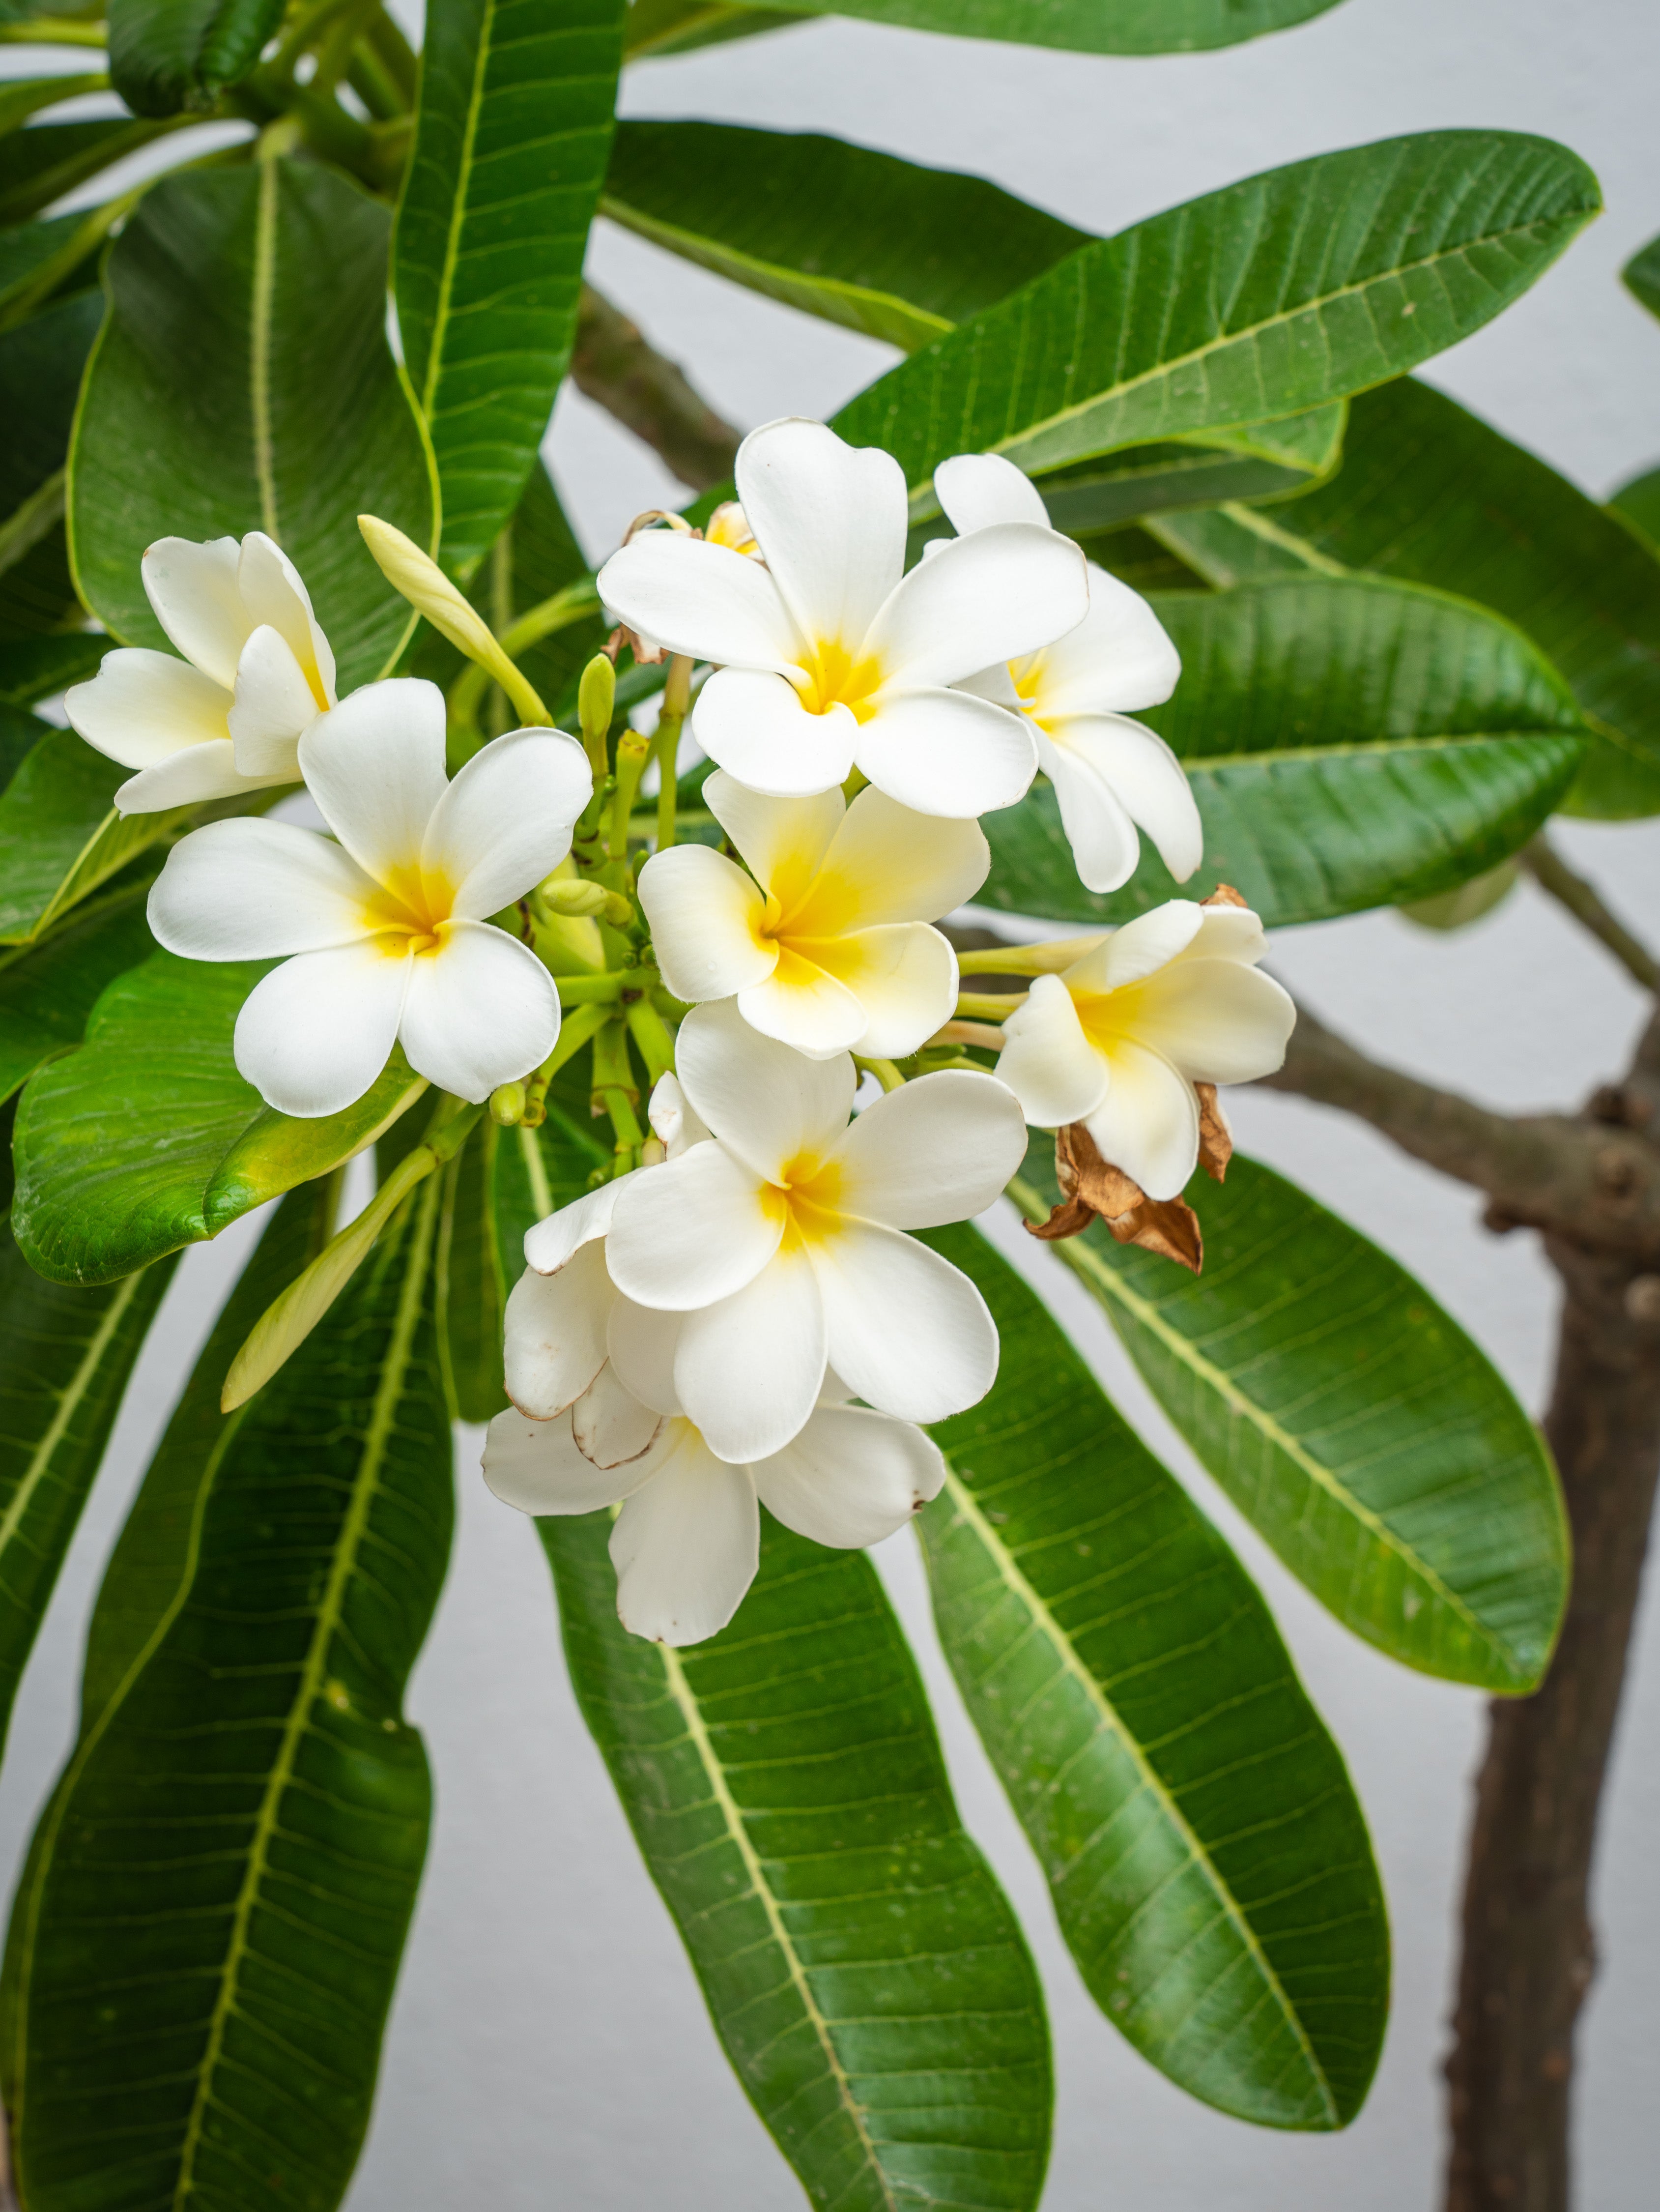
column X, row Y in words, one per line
column 615, row 365
column 1583, row 901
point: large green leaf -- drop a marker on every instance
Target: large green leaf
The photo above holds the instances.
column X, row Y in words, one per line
column 166, row 55
column 1354, row 1423
column 471, row 1285
column 865, row 1973
column 1209, row 1861
column 40, row 365
column 146, row 1138
column 1431, row 493
column 1641, row 274
column 1351, row 743
column 1638, row 502
column 1091, row 27
column 243, row 381
column 23, row 96
column 1271, row 297
column 206, row 1942
column 39, row 165
column 657, row 28
column 60, row 836
column 512, row 134
column 34, row 667
column 48, row 990
column 1261, row 461
column 36, row 257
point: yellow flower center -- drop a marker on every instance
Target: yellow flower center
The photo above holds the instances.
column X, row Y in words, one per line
column 806, row 1200
column 410, row 914
column 1109, row 1017
column 834, row 679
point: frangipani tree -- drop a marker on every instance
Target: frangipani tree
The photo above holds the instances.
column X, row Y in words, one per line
column 1288, row 634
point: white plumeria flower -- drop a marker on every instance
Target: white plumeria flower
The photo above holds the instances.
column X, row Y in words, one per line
column 1111, row 774
column 228, row 717
column 686, row 1542
column 755, row 1261
column 829, row 656
column 386, row 929
column 1118, row 1040
column 825, row 945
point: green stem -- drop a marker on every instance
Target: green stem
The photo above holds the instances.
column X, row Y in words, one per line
column 632, row 753
column 988, row 1005
column 585, row 1023
column 571, row 605
column 590, row 990
column 884, row 1071
column 1028, row 959
column 650, row 1034
column 53, row 31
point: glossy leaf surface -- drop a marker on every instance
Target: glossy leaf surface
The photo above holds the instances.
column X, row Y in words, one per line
column 48, row 990
column 512, row 135
column 60, row 836
column 1639, row 502
column 1429, row 493
column 1354, row 1423
column 166, row 55
column 40, row 365
column 147, row 1139
column 211, row 1923
column 39, row 165
column 1350, row 742
column 243, row 381
column 865, row 1973
column 1209, row 1861
column 34, row 667
column 1642, row 276
column 1276, row 296
column 471, row 1288
column 1093, row 27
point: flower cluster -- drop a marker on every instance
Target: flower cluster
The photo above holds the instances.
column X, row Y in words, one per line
column 689, row 1338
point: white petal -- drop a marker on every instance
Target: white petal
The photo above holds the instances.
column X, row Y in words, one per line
column 675, row 1123
column 375, row 766
column 1104, row 846
column 995, row 683
column 313, row 1035
column 249, row 890
column 782, row 840
column 1143, row 776
column 992, row 597
column 1048, row 1062
column 765, row 1102
column 536, row 1466
column 610, row 1426
column 801, row 1006
column 755, row 727
column 947, row 753
column 908, row 1333
column 706, row 916
column 690, row 1231
column 198, row 601
column 886, row 864
column 830, row 519
column 749, row 1370
column 553, row 1333
column 1134, row 952
column 142, row 706
column 1120, row 658
column 272, row 593
column 686, row 1547
column 1227, row 932
column 505, row 823
column 1149, row 1122
column 191, row 778
column 702, row 599
column 481, row 1010
column 1214, row 1020
column 902, row 978
column 978, row 489
column 937, row 1149
column 851, row 1478
column 642, row 1345
column 550, row 1243
column 273, row 705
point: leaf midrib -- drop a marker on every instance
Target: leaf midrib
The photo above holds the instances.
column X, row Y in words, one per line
column 261, row 299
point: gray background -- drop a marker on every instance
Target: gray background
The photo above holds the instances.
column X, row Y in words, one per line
column 547, row 2046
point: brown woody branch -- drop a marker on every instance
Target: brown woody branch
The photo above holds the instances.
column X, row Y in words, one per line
column 649, row 395
column 1585, row 902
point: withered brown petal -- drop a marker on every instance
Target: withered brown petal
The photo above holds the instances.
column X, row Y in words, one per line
column 1168, row 1226
column 1216, row 1138
column 1225, row 895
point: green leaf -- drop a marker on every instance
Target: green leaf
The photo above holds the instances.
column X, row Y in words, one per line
column 512, row 134
column 1354, row 1423
column 900, row 252
column 47, row 991
column 35, row 667
column 242, row 382
column 659, row 27
column 1434, row 496
column 1265, row 461
column 40, row 366
column 1090, row 26
column 205, row 1946
column 472, row 1288
column 147, row 1139
column 23, row 96
column 1209, row 1861
column 37, row 592
column 1351, row 743
column 865, row 1974
column 166, row 55
column 1273, row 296
column 60, row 836
column 39, row 165
column 533, row 1172
column 36, row 256
column 1641, row 275
column 1639, row 502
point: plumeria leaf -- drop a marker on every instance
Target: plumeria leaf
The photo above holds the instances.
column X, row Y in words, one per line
column 865, row 1973
column 1430, row 494
column 40, row 164
column 1265, row 461
column 33, row 668
column 205, row 415
column 147, row 1139
column 1351, row 743
column 1091, row 27
column 472, row 1282
column 1351, row 1421
column 48, row 990
column 24, row 96
column 40, row 365
column 1209, row 1861
column 167, row 2041
column 511, row 138
column 1641, row 275
column 1273, row 296
column 659, row 27
column 166, row 55
column 60, row 836
column 1638, row 502
column 36, row 256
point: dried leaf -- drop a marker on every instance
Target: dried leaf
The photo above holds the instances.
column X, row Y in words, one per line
column 1216, row 1138
column 1092, row 1188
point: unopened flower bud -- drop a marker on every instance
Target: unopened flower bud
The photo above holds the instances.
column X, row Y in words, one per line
column 508, row 1104
column 431, row 593
column 597, row 699
column 569, row 897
